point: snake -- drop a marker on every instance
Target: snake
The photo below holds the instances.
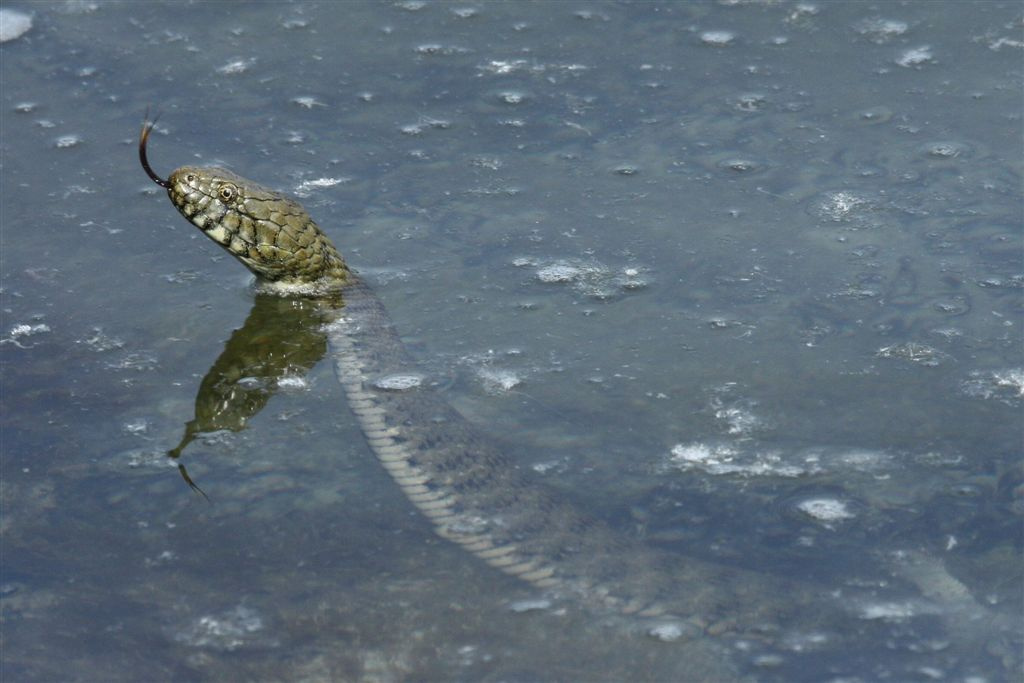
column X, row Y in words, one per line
column 473, row 494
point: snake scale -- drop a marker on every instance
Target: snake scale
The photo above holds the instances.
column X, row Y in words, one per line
column 473, row 494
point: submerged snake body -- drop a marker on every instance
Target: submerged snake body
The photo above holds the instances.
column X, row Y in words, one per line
column 472, row 493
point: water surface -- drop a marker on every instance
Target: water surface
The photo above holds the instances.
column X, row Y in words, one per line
column 741, row 279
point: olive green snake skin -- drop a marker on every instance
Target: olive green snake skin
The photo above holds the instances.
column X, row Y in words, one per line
column 472, row 493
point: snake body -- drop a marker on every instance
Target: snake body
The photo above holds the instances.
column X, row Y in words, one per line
column 471, row 492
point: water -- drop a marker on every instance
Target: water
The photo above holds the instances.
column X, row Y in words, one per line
column 741, row 279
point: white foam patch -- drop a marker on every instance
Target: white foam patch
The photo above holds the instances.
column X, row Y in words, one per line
column 399, row 382
column 825, row 509
column 916, row 57
column 306, row 187
column 587, row 276
column 13, row 24
column 293, row 383
column 888, row 611
column 1006, row 385
column 717, row 38
column 497, row 380
column 722, row 459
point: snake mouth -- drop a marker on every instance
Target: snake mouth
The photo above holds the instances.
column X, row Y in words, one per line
column 147, row 128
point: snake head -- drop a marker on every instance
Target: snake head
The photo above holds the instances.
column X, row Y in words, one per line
column 271, row 234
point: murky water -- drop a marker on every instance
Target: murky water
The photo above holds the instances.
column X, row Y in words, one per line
column 741, row 279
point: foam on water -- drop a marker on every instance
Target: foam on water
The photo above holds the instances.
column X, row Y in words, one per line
column 13, row 24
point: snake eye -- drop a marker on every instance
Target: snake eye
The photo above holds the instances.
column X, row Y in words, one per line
column 190, row 177
column 227, row 193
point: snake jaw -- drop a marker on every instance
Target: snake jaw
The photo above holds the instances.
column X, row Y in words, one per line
column 147, row 128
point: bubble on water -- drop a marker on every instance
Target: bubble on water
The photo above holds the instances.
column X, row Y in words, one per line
column 25, row 107
column 227, row 630
column 668, row 632
column 916, row 57
column 768, row 661
column 138, row 426
column 1012, row 282
column 944, row 149
column 424, row 124
column 739, row 165
column 839, row 205
column 590, row 15
column 887, row 611
column 751, row 102
column 915, row 352
column 739, row 420
column 66, row 141
column 724, row 459
column 138, row 361
column 236, row 66
column 997, row 44
column 307, row 101
column 490, row 163
column 464, row 524
column 495, row 191
column 306, row 187
column 723, row 323
column 399, row 382
column 825, row 509
column 13, row 24
column 588, row 277
column 880, row 30
column 873, row 115
column 534, row 605
column 717, row 38
column 440, row 49
column 22, row 330
column 549, row 466
column 292, row 383
column 953, row 305
column 804, row 642
column 497, row 380
column 504, row 66
column 100, row 341
column 144, row 458
column 560, row 271
column 512, row 96
column 1005, row 385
